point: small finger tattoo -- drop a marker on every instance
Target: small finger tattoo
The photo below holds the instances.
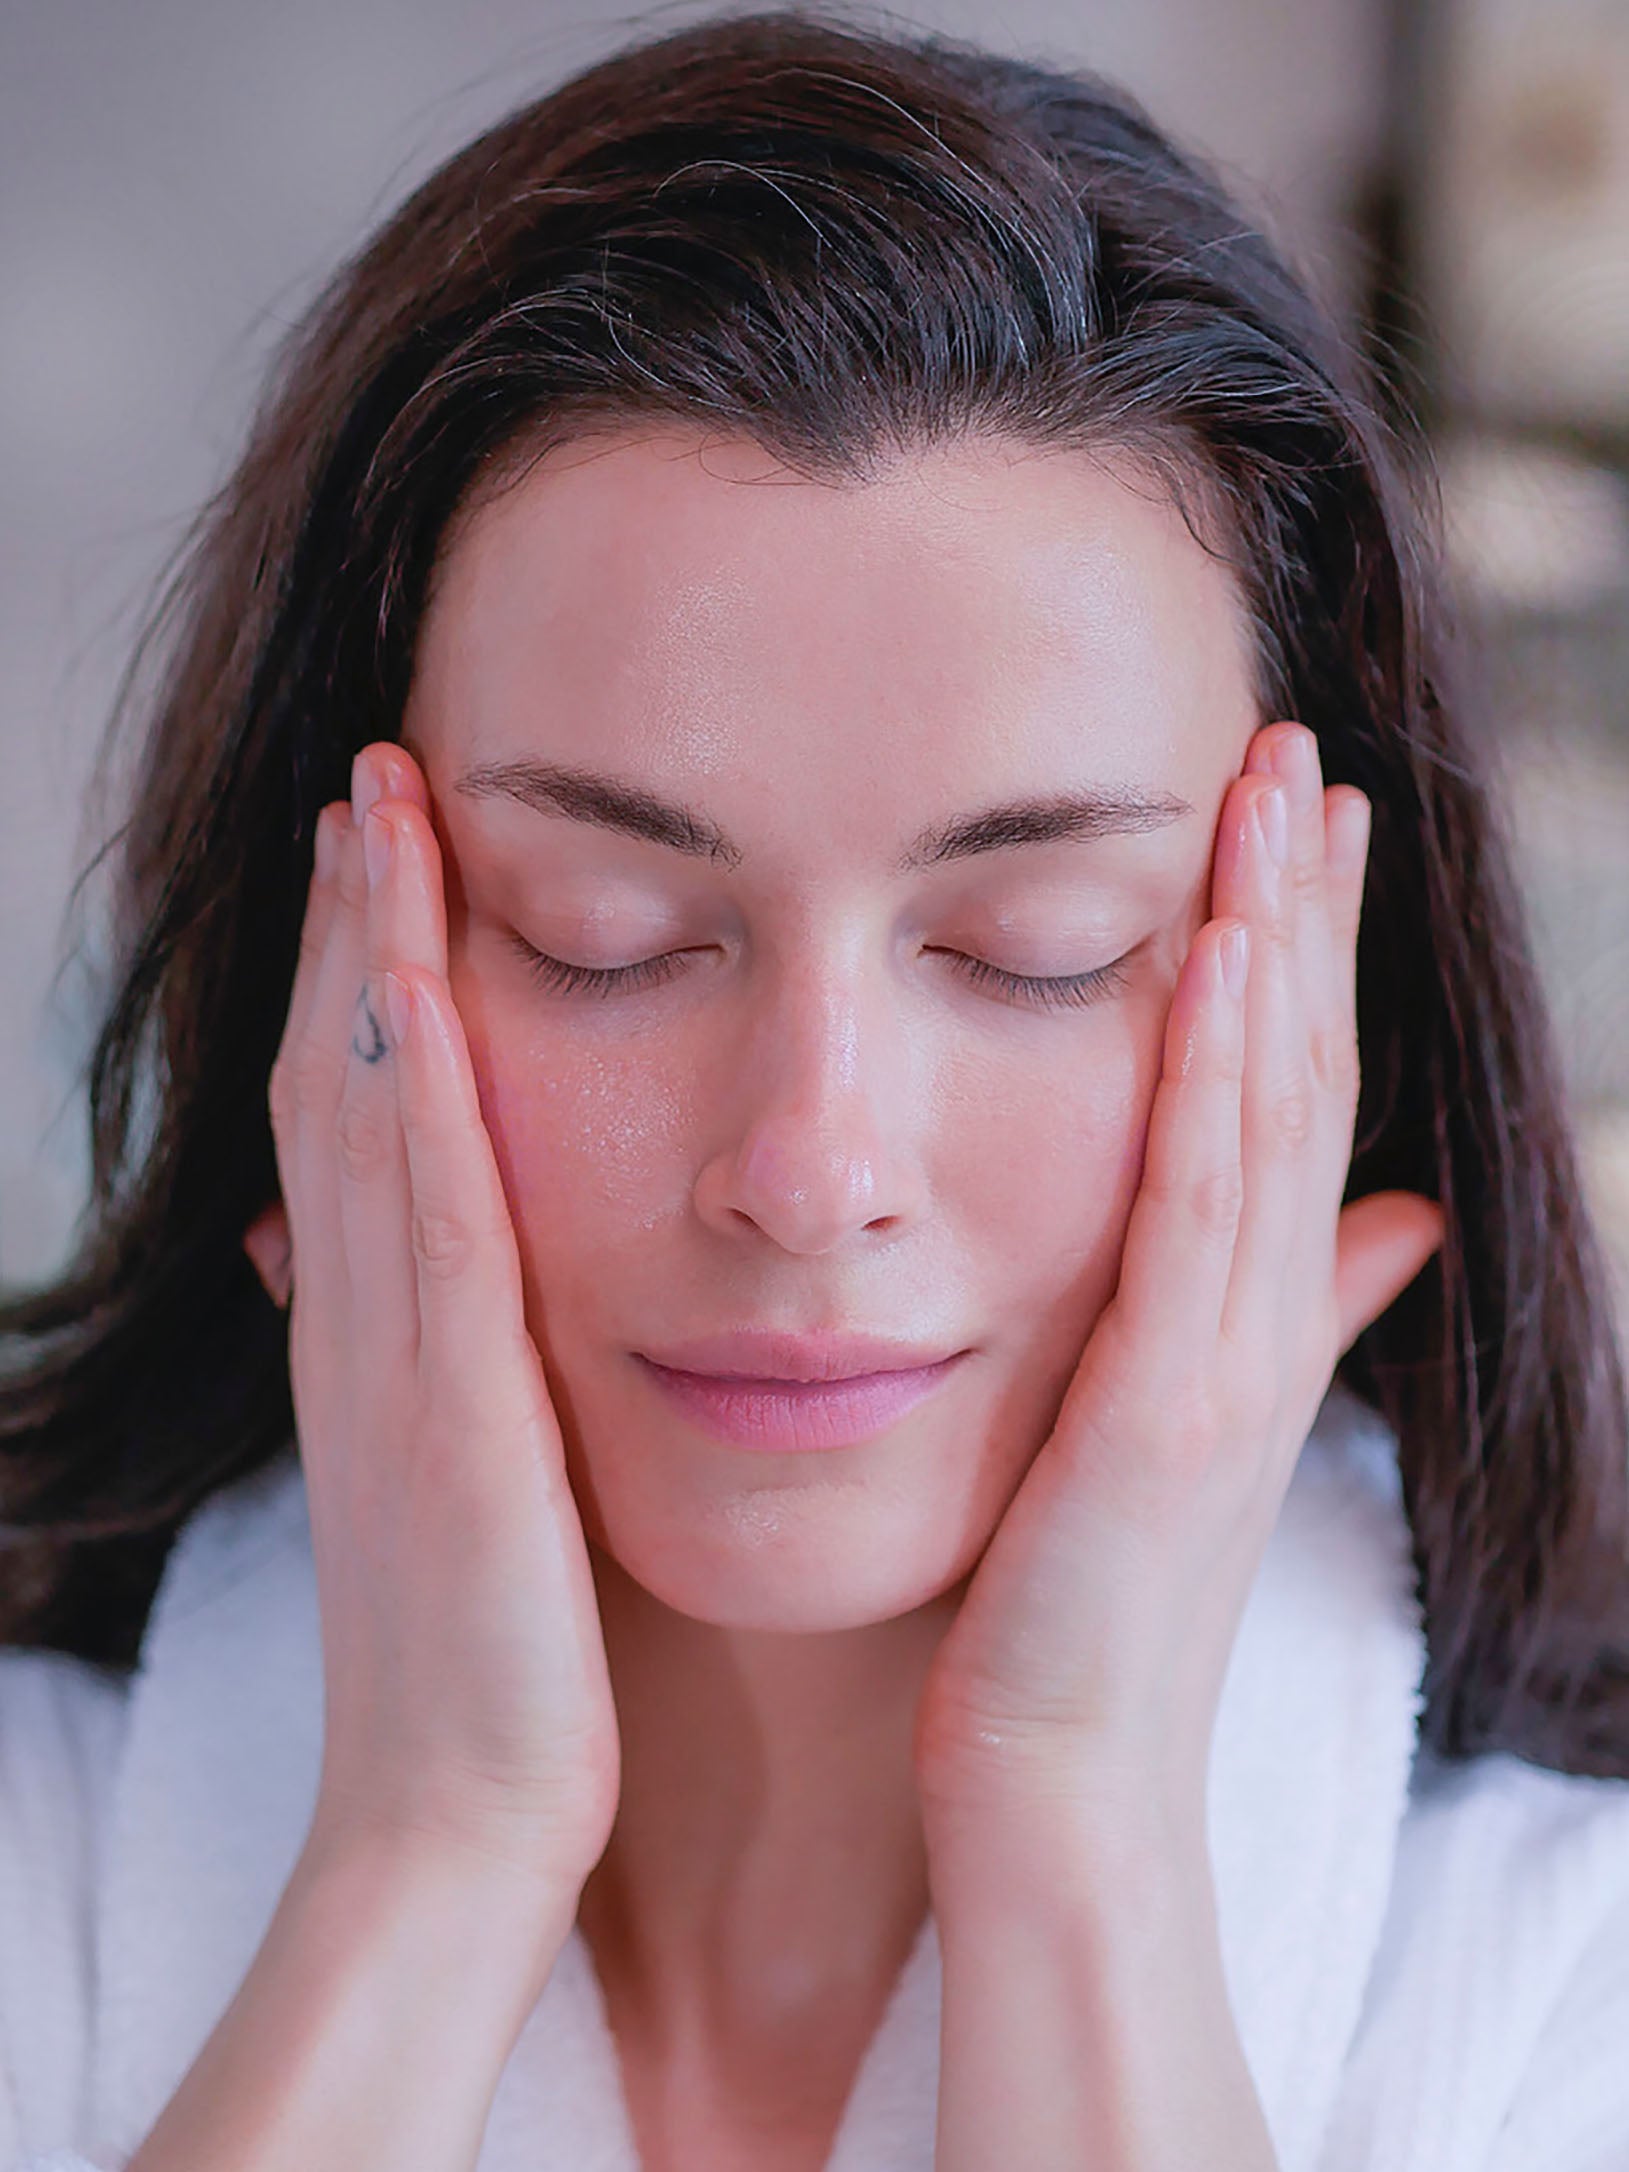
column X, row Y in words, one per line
column 367, row 1041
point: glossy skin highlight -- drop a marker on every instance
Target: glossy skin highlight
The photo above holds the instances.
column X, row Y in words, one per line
column 823, row 1118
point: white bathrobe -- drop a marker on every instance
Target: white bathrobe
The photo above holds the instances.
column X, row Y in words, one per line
column 1428, row 1965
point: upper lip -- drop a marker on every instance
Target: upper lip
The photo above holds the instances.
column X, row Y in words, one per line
column 764, row 1354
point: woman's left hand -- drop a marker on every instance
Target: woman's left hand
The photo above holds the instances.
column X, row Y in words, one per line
column 1084, row 1667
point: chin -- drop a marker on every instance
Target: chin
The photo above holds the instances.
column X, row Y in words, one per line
column 809, row 1568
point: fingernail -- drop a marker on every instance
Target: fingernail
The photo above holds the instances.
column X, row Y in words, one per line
column 364, row 789
column 376, row 849
column 1274, row 815
column 1353, row 837
column 1235, row 960
column 1294, row 758
column 398, row 1007
column 327, row 849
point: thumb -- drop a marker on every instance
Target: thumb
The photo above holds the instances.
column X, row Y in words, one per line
column 1381, row 1243
column 267, row 1242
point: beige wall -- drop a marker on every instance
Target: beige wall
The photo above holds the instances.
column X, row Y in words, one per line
column 174, row 177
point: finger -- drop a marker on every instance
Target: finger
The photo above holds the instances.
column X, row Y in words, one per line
column 1384, row 1241
column 407, row 907
column 282, row 1094
column 470, row 1300
column 1323, row 962
column 321, row 1034
column 385, row 770
column 399, row 923
column 319, row 913
column 313, row 1069
column 1279, row 1113
column 266, row 1240
column 1178, row 1254
column 1316, row 893
column 1348, row 817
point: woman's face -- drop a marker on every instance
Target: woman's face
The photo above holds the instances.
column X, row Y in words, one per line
column 825, row 1116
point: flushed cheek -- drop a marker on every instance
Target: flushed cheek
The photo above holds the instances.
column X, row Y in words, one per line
column 585, row 1146
column 1051, row 1233
column 1046, row 1159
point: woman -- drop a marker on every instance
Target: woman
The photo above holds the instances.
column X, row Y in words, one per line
column 764, row 780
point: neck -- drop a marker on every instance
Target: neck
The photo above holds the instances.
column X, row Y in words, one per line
column 767, row 1865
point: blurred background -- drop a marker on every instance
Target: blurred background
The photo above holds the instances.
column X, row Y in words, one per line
column 177, row 176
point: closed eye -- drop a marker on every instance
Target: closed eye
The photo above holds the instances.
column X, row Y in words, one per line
column 1069, row 990
column 1065, row 991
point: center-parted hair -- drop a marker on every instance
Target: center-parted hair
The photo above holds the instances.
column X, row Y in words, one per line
column 847, row 245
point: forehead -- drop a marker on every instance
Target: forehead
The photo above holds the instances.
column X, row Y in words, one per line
column 688, row 607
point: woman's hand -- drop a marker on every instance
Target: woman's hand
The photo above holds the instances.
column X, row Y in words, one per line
column 467, row 1696
column 1085, row 1664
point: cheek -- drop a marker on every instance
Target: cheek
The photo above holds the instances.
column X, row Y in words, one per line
column 1032, row 1165
column 1048, row 1225
column 583, row 1137
column 1049, row 1209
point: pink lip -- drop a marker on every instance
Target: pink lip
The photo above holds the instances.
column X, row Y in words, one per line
column 795, row 1415
column 764, row 1353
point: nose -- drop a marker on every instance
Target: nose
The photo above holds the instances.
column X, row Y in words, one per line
column 820, row 1142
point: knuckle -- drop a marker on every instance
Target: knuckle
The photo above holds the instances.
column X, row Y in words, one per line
column 1200, row 1431
column 362, row 1140
column 1280, row 930
column 279, row 1104
column 1161, row 1179
column 443, row 1244
column 1291, row 1117
column 1306, row 877
column 1190, row 1442
column 350, row 875
column 313, row 942
column 301, row 1086
column 1335, row 1061
column 1216, row 1200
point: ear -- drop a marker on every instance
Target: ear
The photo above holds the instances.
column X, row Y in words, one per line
column 266, row 1240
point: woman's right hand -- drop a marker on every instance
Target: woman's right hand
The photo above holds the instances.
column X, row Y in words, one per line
column 467, row 1698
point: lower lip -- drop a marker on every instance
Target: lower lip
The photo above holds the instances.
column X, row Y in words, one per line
column 789, row 1414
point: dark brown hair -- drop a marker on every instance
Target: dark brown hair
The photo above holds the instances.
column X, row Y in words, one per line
column 844, row 244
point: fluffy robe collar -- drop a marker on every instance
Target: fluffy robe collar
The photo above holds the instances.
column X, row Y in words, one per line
column 1310, row 1771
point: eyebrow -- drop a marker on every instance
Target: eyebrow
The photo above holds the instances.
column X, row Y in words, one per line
column 612, row 803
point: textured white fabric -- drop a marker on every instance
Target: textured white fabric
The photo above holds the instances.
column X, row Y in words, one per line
column 62, row 1726
column 69, row 2160
column 1428, row 1965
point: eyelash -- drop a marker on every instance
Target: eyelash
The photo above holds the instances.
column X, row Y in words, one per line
column 1064, row 992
